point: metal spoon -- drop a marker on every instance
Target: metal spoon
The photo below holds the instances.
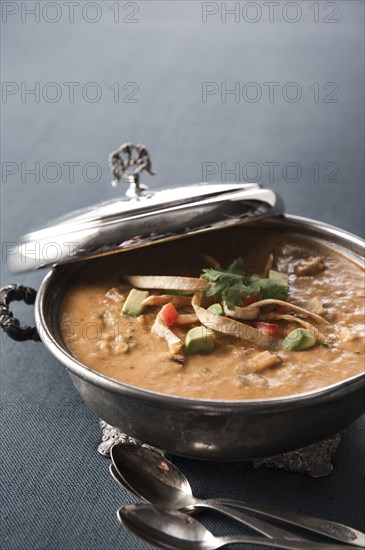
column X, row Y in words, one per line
column 174, row 530
column 159, row 481
column 154, row 479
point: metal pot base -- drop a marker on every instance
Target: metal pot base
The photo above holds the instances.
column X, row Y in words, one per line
column 313, row 460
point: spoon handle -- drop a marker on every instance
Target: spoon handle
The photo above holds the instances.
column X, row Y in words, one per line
column 278, row 543
column 262, row 527
column 336, row 531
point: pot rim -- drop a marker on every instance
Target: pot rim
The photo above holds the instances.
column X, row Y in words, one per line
column 100, row 380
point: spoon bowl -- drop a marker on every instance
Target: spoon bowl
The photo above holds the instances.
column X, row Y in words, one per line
column 174, row 530
column 151, row 477
column 158, row 481
column 154, row 479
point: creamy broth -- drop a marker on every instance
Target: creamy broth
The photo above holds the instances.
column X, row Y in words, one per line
column 123, row 348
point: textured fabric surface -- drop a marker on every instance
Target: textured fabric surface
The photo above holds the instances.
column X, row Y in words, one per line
column 56, row 492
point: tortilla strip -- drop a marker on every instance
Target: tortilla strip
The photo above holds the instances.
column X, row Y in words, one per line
column 268, row 266
column 173, row 341
column 186, row 319
column 168, row 282
column 288, row 305
column 242, row 312
column 280, row 316
column 212, row 262
column 228, row 326
column 197, row 299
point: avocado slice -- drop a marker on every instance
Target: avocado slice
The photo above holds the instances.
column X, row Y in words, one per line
column 199, row 340
column 298, row 339
column 179, row 292
column 281, row 280
column 216, row 308
column 278, row 276
column 133, row 304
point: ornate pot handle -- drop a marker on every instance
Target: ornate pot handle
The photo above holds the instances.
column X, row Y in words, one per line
column 8, row 322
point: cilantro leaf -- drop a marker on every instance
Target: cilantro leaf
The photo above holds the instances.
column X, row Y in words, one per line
column 227, row 285
column 237, row 267
column 232, row 295
column 231, row 285
column 269, row 288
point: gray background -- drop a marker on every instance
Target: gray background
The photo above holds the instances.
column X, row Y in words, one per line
column 56, row 490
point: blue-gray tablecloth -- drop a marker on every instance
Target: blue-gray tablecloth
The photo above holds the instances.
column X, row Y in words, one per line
column 269, row 92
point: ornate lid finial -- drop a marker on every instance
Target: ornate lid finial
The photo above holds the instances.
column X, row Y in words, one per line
column 119, row 166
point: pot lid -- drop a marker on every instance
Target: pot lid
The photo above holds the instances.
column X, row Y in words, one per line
column 142, row 217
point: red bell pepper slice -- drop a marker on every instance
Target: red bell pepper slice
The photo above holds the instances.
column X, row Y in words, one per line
column 267, row 328
column 169, row 314
column 248, row 300
column 283, row 309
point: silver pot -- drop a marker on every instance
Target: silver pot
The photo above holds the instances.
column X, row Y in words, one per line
column 201, row 428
